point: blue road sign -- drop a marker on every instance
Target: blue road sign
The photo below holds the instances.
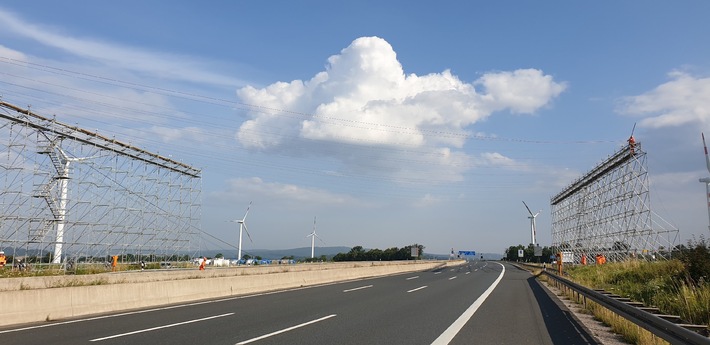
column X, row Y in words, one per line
column 467, row 252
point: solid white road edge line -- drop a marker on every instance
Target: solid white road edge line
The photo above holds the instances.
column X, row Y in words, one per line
column 358, row 288
column 285, row 330
column 160, row 327
column 455, row 327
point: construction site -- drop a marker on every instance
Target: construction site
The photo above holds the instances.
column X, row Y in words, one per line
column 606, row 214
column 70, row 196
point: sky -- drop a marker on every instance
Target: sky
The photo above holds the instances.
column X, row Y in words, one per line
column 392, row 123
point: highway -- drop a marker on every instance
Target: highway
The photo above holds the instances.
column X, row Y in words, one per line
column 477, row 303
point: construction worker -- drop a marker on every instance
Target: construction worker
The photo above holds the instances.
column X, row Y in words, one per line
column 3, row 259
column 632, row 144
column 202, row 264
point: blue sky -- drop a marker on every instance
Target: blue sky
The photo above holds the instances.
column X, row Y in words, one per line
column 394, row 123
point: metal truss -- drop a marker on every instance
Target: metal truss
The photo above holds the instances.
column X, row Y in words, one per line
column 607, row 212
column 67, row 194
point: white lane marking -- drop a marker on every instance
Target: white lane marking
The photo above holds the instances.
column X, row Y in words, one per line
column 161, row 327
column 452, row 278
column 415, row 277
column 358, row 288
column 468, row 272
column 226, row 299
column 452, row 270
column 285, row 330
column 437, row 272
column 419, row 288
column 455, row 327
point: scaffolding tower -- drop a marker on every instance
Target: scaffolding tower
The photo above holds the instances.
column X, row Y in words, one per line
column 607, row 212
column 71, row 195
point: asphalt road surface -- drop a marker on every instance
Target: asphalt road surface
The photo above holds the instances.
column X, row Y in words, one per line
column 476, row 303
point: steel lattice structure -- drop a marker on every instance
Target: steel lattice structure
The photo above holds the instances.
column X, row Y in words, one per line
column 607, row 212
column 68, row 193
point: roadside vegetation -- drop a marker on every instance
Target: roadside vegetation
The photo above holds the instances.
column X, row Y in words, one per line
column 680, row 286
column 358, row 253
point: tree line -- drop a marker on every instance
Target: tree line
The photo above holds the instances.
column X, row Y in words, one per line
column 358, row 253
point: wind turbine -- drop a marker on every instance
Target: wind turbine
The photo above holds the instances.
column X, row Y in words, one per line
column 706, row 180
column 532, row 222
column 242, row 227
column 313, row 236
column 62, row 161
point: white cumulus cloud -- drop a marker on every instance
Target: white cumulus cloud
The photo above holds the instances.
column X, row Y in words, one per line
column 364, row 98
column 683, row 100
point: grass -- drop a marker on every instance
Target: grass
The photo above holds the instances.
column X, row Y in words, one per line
column 629, row 331
column 661, row 284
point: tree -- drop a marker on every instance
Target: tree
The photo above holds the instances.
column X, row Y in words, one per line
column 219, row 256
column 357, row 253
column 511, row 254
column 696, row 259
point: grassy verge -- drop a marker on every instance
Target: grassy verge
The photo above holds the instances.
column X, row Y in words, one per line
column 661, row 284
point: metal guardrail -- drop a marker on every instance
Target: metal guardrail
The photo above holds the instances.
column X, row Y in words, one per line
column 668, row 331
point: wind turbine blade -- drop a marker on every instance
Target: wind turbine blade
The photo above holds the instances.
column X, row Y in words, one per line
column 707, row 159
column 247, row 231
column 526, row 206
column 247, row 212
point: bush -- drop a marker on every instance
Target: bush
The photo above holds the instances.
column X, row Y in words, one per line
column 696, row 259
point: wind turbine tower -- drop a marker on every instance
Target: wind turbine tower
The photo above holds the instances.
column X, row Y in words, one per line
column 532, row 223
column 61, row 161
column 242, row 227
column 706, row 180
column 313, row 236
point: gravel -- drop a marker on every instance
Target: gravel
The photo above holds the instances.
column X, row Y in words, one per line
column 603, row 333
